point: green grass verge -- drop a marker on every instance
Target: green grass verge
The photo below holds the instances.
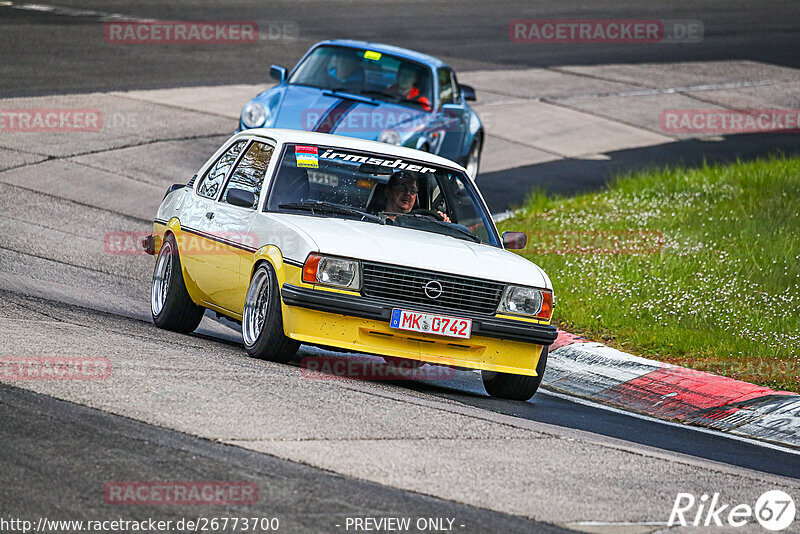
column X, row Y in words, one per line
column 697, row 267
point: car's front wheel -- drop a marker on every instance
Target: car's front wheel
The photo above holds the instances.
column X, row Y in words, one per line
column 514, row 387
column 262, row 321
column 170, row 304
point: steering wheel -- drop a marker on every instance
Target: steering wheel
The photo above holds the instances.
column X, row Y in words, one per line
column 430, row 213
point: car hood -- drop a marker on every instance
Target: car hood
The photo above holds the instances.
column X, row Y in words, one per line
column 301, row 108
column 408, row 248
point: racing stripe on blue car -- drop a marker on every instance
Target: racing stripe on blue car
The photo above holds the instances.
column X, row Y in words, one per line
column 333, row 116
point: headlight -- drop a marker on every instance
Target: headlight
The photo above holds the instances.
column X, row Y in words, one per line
column 254, row 115
column 391, row 137
column 527, row 301
column 330, row 271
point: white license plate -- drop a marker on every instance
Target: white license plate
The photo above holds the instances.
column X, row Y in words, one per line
column 431, row 323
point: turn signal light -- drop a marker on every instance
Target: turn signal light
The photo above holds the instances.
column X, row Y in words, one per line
column 310, row 269
column 547, row 306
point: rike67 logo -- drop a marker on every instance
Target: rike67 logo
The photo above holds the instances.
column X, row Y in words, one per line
column 774, row 510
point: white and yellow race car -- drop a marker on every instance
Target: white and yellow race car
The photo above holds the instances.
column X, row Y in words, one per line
column 354, row 245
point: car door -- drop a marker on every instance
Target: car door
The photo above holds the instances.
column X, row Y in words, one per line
column 454, row 118
column 194, row 243
column 230, row 225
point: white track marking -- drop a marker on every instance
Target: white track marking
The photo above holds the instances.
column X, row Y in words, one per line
column 71, row 12
column 620, row 523
column 671, row 90
column 592, row 404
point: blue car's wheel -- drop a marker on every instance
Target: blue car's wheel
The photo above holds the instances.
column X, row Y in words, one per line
column 474, row 158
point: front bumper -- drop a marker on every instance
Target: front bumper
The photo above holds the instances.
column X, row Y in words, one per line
column 149, row 245
column 368, row 308
column 362, row 324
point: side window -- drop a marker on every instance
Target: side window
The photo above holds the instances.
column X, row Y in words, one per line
column 446, row 89
column 456, row 89
column 214, row 178
column 250, row 172
column 464, row 208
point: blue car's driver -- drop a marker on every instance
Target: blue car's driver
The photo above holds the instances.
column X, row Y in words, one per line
column 406, row 86
column 345, row 72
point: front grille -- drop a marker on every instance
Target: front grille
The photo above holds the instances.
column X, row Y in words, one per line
column 403, row 285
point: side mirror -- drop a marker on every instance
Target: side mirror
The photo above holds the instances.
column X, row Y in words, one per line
column 515, row 240
column 276, row 72
column 452, row 110
column 468, row 93
column 240, row 197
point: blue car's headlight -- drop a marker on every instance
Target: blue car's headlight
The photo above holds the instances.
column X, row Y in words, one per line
column 254, row 115
column 391, row 137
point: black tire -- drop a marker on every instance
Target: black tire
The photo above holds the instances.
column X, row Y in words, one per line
column 474, row 157
column 514, row 387
column 170, row 304
column 262, row 319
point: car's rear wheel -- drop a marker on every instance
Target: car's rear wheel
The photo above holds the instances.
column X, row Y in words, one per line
column 514, row 387
column 262, row 320
column 474, row 158
column 170, row 304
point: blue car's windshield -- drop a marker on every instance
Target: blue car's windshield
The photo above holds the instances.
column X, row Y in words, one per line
column 366, row 72
column 343, row 183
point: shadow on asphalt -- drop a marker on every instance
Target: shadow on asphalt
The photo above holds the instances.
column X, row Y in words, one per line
column 58, row 455
column 549, row 409
column 465, row 387
column 505, row 189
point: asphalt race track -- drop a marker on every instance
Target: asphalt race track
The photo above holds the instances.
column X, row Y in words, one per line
column 321, row 452
column 61, row 53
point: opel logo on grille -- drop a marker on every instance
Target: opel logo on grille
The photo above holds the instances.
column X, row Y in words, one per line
column 433, row 289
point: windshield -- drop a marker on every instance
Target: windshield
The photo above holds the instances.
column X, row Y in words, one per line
column 368, row 73
column 342, row 183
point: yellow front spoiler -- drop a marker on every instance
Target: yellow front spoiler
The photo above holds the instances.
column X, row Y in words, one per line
column 376, row 337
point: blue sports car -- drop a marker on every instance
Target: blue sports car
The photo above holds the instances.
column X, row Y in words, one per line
column 375, row 92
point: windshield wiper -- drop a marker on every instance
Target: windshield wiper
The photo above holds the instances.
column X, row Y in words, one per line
column 331, row 207
column 381, row 94
column 461, row 230
column 347, row 95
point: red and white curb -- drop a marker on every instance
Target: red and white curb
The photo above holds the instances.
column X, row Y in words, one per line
column 602, row 374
